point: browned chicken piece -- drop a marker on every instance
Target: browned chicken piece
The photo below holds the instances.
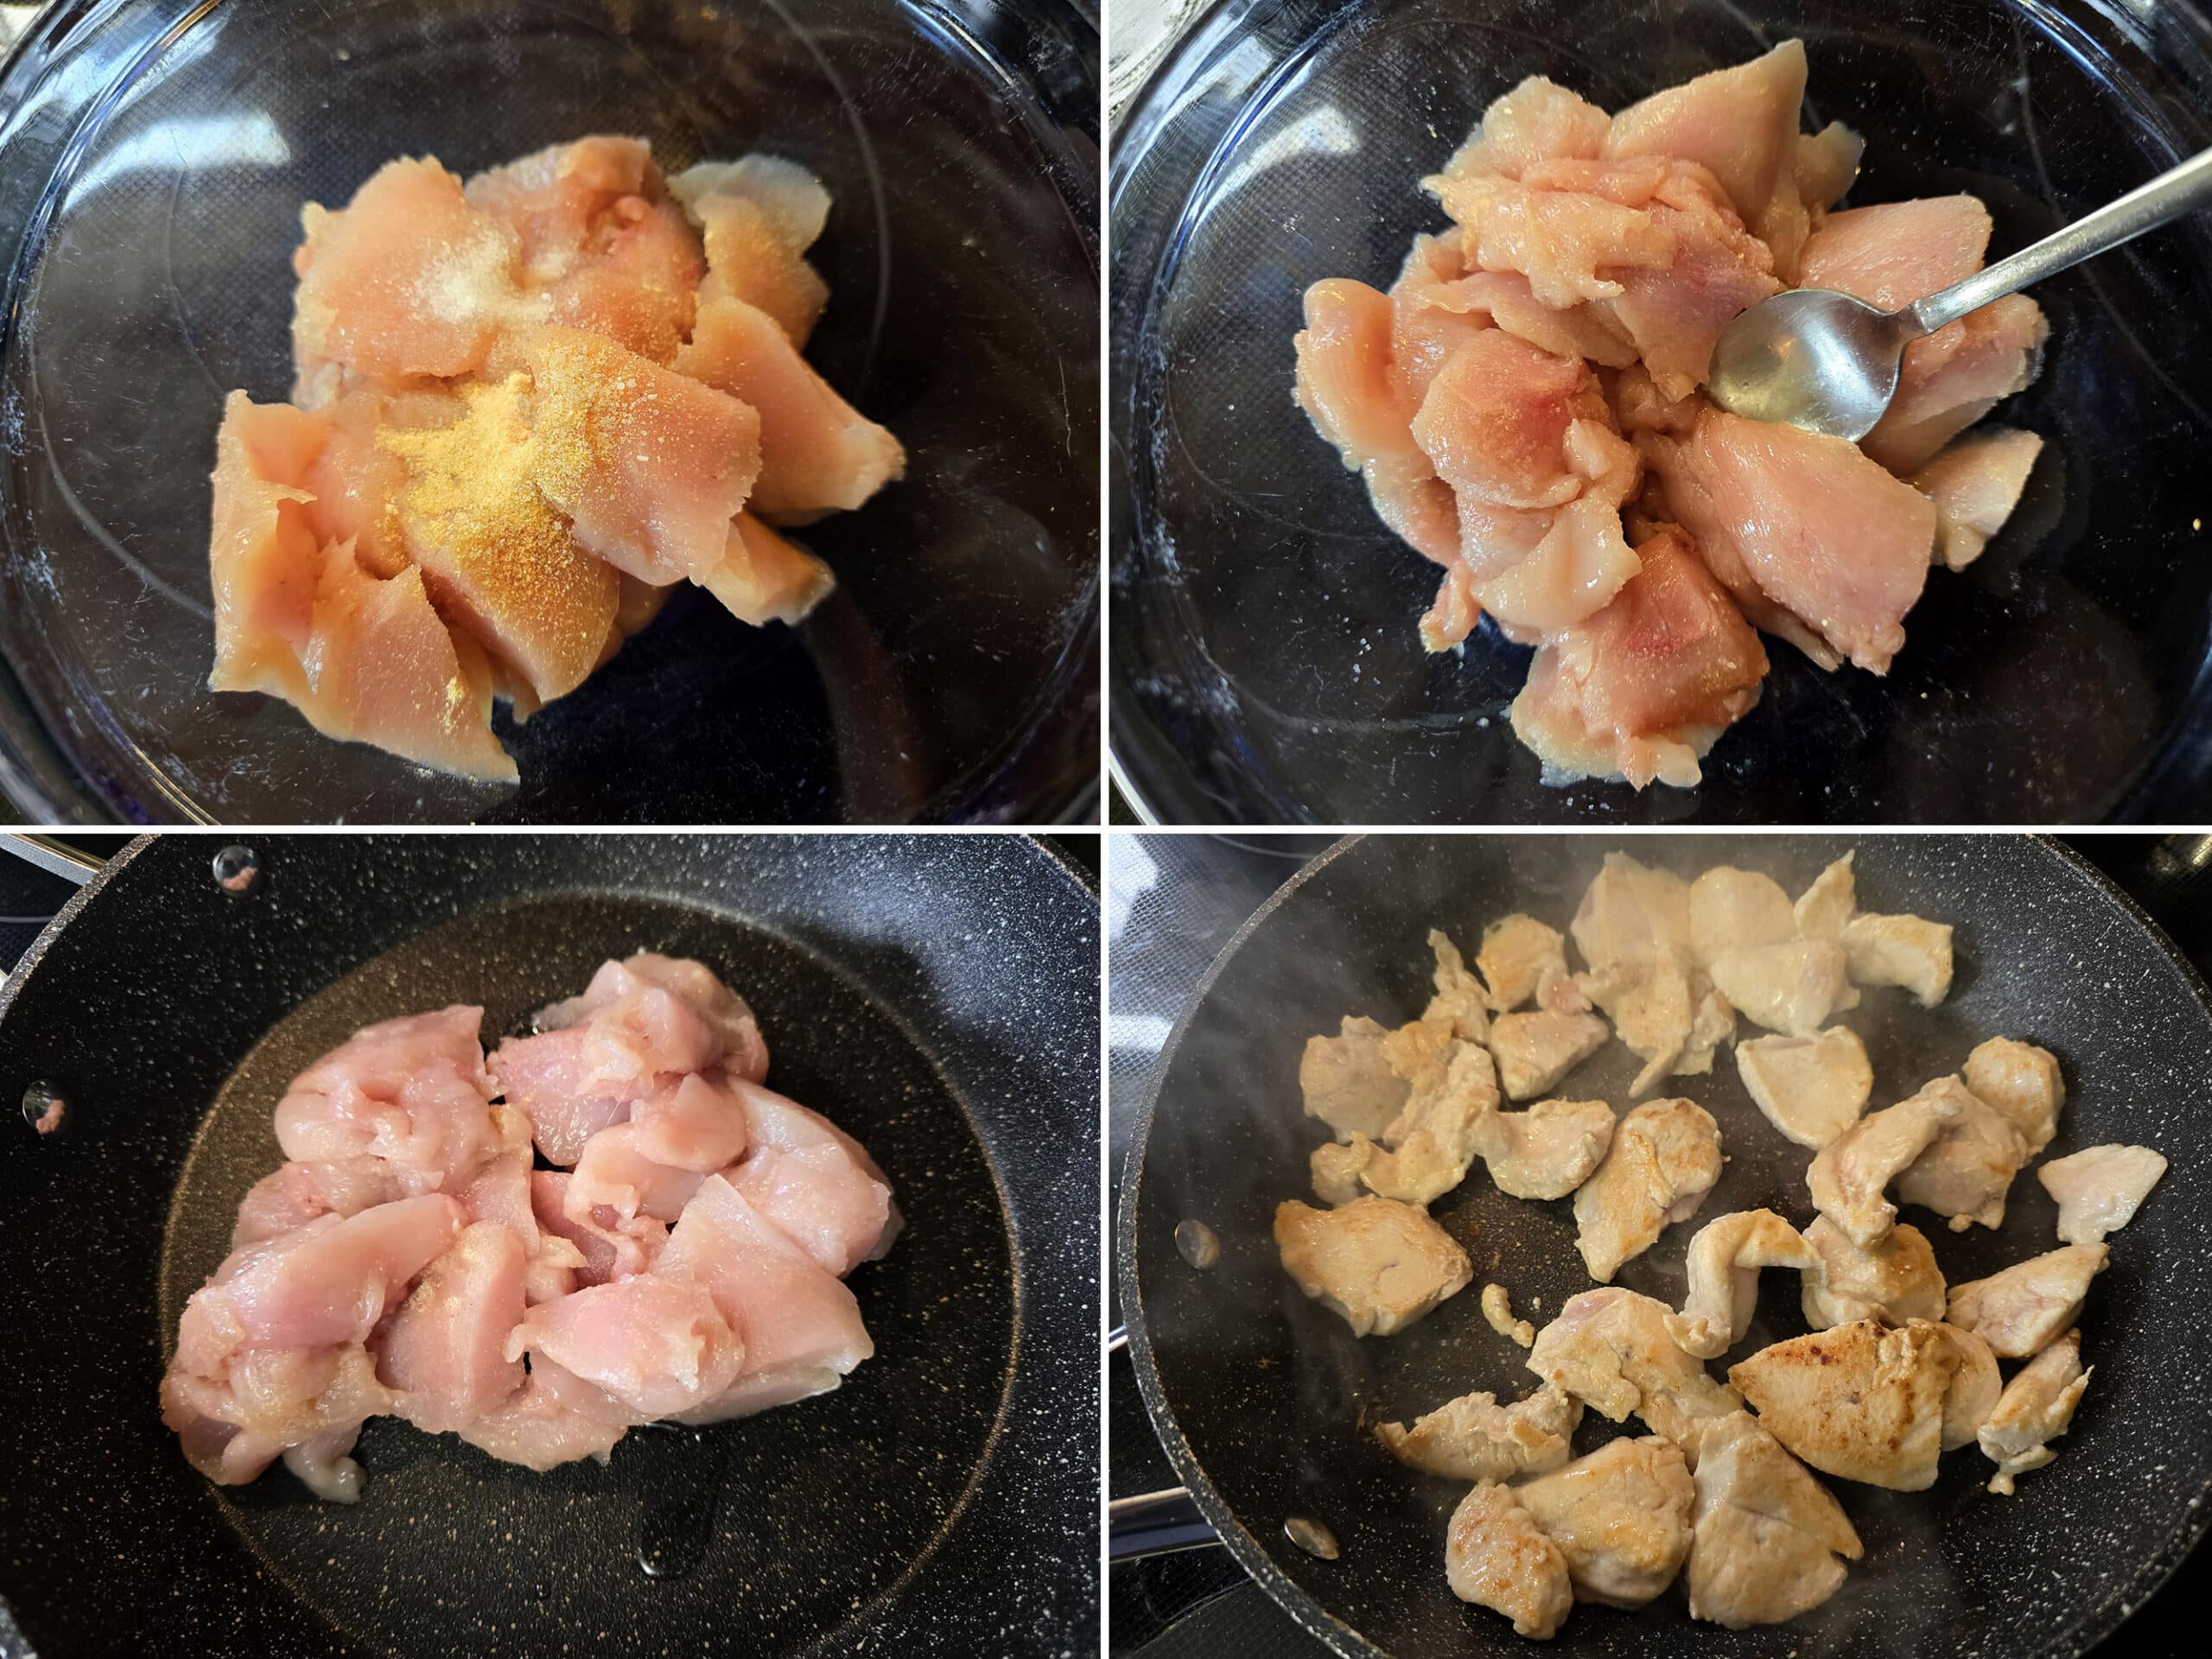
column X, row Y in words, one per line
column 1348, row 1082
column 1766, row 1535
column 1664, row 1159
column 1863, row 1401
column 1621, row 1516
column 1823, row 908
column 1474, row 1438
column 1519, row 957
column 1497, row 1313
column 2019, row 1311
column 1792, row 987
column 2023, row 1082
column 1379, row 1263
column 2099, row 1188
column 1810, row 1088
column 1429, row 1146
column 1459, row 996
column 1900, row 950
column 1975, row 1388
column 1847, row 1178
column 1535, row 1050
column 1894, row 1280
column 1335, row 1168
column 2035, row 1409
column 1723, row 1265
column 1610, row 1348
column 1496, row 1557
column 1547, row 1151
column 1967, row 1169
column 1420, row 1047
column 1737, row 910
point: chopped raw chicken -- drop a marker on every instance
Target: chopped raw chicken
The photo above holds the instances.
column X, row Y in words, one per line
column 2019, row 1311
column 1379, row 1263
column 1474, row 1438
column 1664, row 1159
column 1900, row 950
column 659, row 1345
column 1791, row 988
column 1975, row 1388
column 1497, row 1557
column 1621, row 1516
column 1810, row 1088
column 2099, row 1188
column 1766, row 1535
column 1347, row 1080
column 2035, row 1409
column 1738, row 909
column 1547, row 1151
column 1969, row 1168
column 1497, row 1313
column 1519, row 957
column 1823, row 908
column 1429, row 1146
column 411, row 1091
column 1863, row 1401
column 1460, row 997
column 2023, row 1082
column 1535, row 1050
column 443, row 1353
column 1722, row 1265
column 1848, row 1175
column 1610, row 1348
column 1894, row 1280
column 1975, row 482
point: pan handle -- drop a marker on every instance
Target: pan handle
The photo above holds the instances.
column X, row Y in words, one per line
column 53, row 856
column 1155, row 1523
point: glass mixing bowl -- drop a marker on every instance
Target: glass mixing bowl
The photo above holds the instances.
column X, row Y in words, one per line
column 154, row 155
column 1265, row 663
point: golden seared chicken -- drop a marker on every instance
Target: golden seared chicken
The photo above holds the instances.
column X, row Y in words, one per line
column 1848, row 1177
column 1547, row 1150
column 2100, row 1189
column 1900, row 950
column 1497, row 1557
column 2035, row 1409
column 1426, row 1149
column 2023, row 1082
column 1723, row 1263
column 1633, row 928
column 1975, row 1388
column 1347, row 1080
column 1863, row 1401
column 1610, row 1349
column 1520, row 959
column 1766, row 1535
column 1810, row 1088
column 1459, row 996
column 1379, row 1263
column 1967, row 1169
column 1535, row 1050
column 1497, row 1313
column 1474, row 1438
column 1823, row 908
column 2019, row 1311
column 1664, row 1159
column 1621, row 1516
column 1895, row 1279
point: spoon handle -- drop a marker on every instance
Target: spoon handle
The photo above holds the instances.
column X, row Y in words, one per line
column 2168, row 196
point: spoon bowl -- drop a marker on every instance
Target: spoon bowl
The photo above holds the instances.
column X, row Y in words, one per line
column 1812, row 358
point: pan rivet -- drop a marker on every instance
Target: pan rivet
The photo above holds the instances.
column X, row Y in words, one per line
column 237, row 870
column 1196, row 1243
column 43, row 1108
column 1311, row 1536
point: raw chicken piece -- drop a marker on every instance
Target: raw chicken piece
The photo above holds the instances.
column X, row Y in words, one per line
column 1547, row 1151
column 1810, row 1088
column 307, row 1405
column 763, row 577
column 1722, row 1265
column 1894, row 1280
column 636, row 1031
column 1791, row 988
column 1535, row 1050
column 1738, row 909
column 615, row 1173
column 1497, row 1313
column 1823, row 908
column 1519, row 957
column 296, row 1193
column 1621, row 1516
column 1862, row 1401
column 1347, row 1081
column 1975, row 1390
column 2035, row 1409
column 549, row 1079
column 2019, row 1311
column 2000, row 354
column 658, row 1344
column 1497, row 1557
column 758, row 217
column 1379, row 1263
column 1900, row 950
column 1430, row 1144
column 2023, row 1082
column 1664, row 1159
column 1969, row 1168
column 501, row 1192
column 442, row 1353
column 1610, row 1348
column 1537, row 121
column 412, row 1091
column 1460, row 997
column 610, row 1246
column 1975, row 482
column 813, row 1182
column 2099, row 1188
column 1502, row 299
column 697, row 1125
column 1474, row 1438
column 1847, row 1177
column 543, row 1425
column 1766, row 1535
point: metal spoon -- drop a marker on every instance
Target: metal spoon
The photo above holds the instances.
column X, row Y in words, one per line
column 1829, row 362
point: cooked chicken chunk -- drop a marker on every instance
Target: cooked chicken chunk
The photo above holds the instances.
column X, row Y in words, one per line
column 1895, row 1279
column 2023, row 1082
column 1862, row 1401
column 1737, row 910
column 1967, row 1169
column 1519, row 957
column 1621, row 1516
column 2019, row 1311
column 1497, row 1312
column 1348, row 1082
column 1610, row 1348
column 1766, row 1535
column 1664, row 1159
column 1724, row 1263
column 1792, row 987
column 1380, row 1263
column 1847, row 1177
column 1974, row 1388
column 1631, row 913
column 1474, row 1438
column 1534, row 1050
column 1900, row 950
column 1823, row 908
column 1547, row 1151
column 2100, row 1189
column 1633, row 928
column 1810, row 1088
column 1497, row 1557
column 1335, row 1168
column 2035, row 1409
column 1429, row 1146
column 1418, row 1048
column 1459, row 996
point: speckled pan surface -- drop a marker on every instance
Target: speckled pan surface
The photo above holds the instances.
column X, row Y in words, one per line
column 1258, row 1393
column 936, row 996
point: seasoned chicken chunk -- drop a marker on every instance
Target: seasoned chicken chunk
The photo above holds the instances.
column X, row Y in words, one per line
column 1894, row 1280
column 1496, row 1557
column 1474, row 1438
column 1664, row 1159
column 1975, row 1388
column 1547, row 1151
column 1766, row 1535
column 1823, row 908
column 1459, row 996
column 2035, row 1409
column 1723, row 1264
column 1429, row 1146
column 1900, row 950
column 1737, row 910
column 2099, row 1188
column 1336, row 1168
column 2023, row 1082
column 1348, row 1082
column 1791, row 987
column 1862, row 1401
column 1497, row 1313
column 1379, row 1263
column 1967, row 1169
column 1847, row 1178
column 1609, row 1347
column 1534, row 1050
column 1519, row 957
column 1621, row 1516
column 2019, row 1311
column 1810, row 1088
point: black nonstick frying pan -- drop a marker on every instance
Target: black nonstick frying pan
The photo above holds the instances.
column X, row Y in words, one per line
column 1261, row 1397
column 936, row 996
